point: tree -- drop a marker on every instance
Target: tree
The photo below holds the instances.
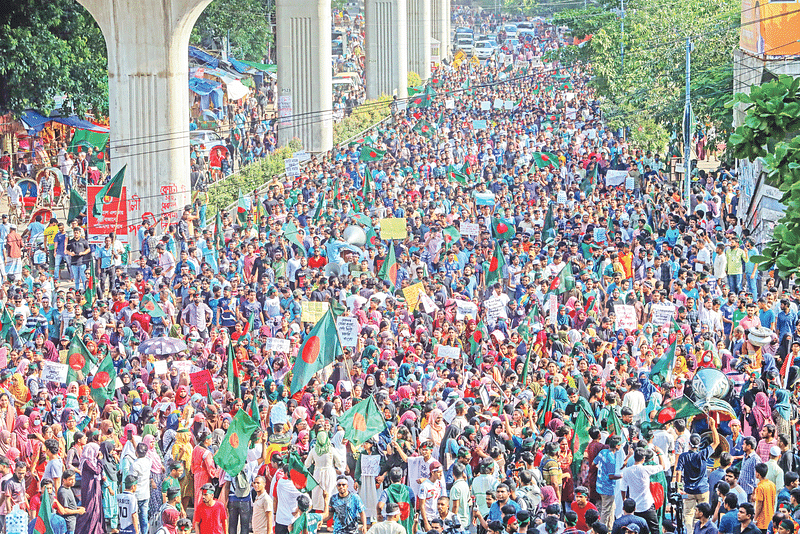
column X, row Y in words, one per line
column 48, row 49
column 245, row 22
column 770, row 134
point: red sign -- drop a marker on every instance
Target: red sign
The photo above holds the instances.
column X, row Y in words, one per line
column 202, row 382
column 114, row 217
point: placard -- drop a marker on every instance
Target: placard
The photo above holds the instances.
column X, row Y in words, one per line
column 484, row 199
column 348, row 329
column 54, row 372
column 495, row 309
column 561, row 198
column 285, row 109
column 486, row 105
column 114, row 214
column 311, row 312
column 629, row 183
column 484, row 395
column 479, row 125
column 449, row 104
column 552, row 307
column 447, row 352
column 302, row 156
column 498, row 103
column 614, row 178
column 470, row 229
column 626, row 317
column 292, row 167
column 466, row 310
column 508, row 104
column 450, row 413
column 417, row 470
column 662, row 314
column 183, row 366
column 160, row 367
column 370, row 465
column 278, row 415
column 277, row 344
column 412, row 293
column 393, row 228
column 599, row 234
column 202, row 381
column 713, row 288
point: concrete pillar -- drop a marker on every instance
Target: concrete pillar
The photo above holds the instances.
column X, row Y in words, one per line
column 419, row 37
column 148, row 69
column 386, row 48
column 305, row 94
column 440, row 25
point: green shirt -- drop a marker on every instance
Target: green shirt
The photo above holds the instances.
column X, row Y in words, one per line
column 736, row 256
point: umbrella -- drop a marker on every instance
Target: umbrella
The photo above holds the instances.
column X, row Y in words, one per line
column 162, row 346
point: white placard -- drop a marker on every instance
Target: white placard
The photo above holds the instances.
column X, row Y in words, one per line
column 54, row 372
column 614, row 178
column 449, row 352
column 278, row 415
column 471, row 229
column 417, row 470
column 450, row 413
column 561, row 198
column 466, row 310
column 484, row 395
column 292, row 167
column 498, row 103
column 626, row 317
column 348, row 329
column 508, row 104
column 486, row 105
column 160, row 367
column 370, row 465
column 183, row 366
column 630, row 183
column 662, row 314
column 449, row 104
column 599, row 234
column 302, row 156
column 552, row 307
column 285, row 109
column 277, row 344
column 495, row 309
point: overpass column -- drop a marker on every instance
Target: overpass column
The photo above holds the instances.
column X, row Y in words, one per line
column 440, row 25
column 386, row 47
column 148, row 91
column 305, row 94
column 419, row 37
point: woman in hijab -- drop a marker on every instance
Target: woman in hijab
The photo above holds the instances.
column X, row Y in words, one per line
column 169, row 520
column 5, row 442
column 434, row 430
column 761, row 414
column 93, row 520
column 370, row 387
column 8, row 413
column 181, row 452
column 110, row 463
column 782, row 412
column 156, row 475
column 171, row 428
column 21, row 440
column 448, row 448
column 327, row 463
column 203, row 466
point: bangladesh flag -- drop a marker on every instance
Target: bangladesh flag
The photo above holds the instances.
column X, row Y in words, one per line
column 477, row 338
column 455, row 176
column 549, row 225
column 502, row 230
column 451, row 236
column 77, row 205
column 299, row 475
column 661, row 371
column 369, row 153
column 318, row 350
column 547, row 125
column 232, row 453
column 91, row 292
column 241, row 209
column 680, row 408
column 415, row 90
column 79, row 359
column 565, row 86
column 151, row 307
column 564, row 281
column 614, row 424
column 291, row 234
column 495, row 272
column 368, row 187
column 8, row 324
column 103, row 382
column 362, row 422
column 535, row 88
column 542, row 160
column 389, row 268
column 111, row 191
column 546, row 408
column 580, row 437
column 233, row 373
column 424, row 128
column 424, row 99
column 42, row 524
column 401, row 494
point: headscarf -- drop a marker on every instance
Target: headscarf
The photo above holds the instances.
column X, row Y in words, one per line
column 110, row 465
column 782, row 404
column 152, row 454
column 548, row 496
column 18, row 389
column 170, row 518
column 23, row 441
column 5, row 442
column 89, row 455
column 323, row 444
column 761, row 412
column 182, row 449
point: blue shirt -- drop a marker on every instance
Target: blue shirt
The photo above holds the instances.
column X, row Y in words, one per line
column 728, row 521
column 606, row 462
column 495, row 514
column 695, row 474
column 346, row 512
column 786, row 322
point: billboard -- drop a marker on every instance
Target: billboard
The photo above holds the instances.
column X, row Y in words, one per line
column 770, row 28
column 114, row 217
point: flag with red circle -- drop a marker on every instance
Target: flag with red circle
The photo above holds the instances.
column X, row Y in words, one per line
column 319, row 349
column 102, row 385
column 232, row 453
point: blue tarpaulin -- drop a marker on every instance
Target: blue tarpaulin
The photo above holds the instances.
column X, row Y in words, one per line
column 203, row 57
column 202, row 86
column 238, row 65
column 35, row 121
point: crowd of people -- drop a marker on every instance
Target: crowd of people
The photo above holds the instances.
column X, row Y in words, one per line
column 536, row 336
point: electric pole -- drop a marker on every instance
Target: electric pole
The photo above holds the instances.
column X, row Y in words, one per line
column 687, row 126
column 622, row 35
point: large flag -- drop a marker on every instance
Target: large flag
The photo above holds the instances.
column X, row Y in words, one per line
column 103, row 386
column 42, row 524
column 680, row 408
column 661, row 371
column 291, row 233
column 495, row 272
column 241, row 208
column 369, row 153
column 299, row 475
column 111, row 191
column 388, row 270
column 77, row 204
column 232, row 453
column 151, row 307
column 549, row 225
column 318, row 350
column 401, row 494
column 451, row 236
column 564, row 280
column 546, row 408
column 545, row 159
column 362, row 422
column 455, row 176
column 580, row 437
column 234, row 386
column 79, row 359
column 424, row 128
column 502, row 230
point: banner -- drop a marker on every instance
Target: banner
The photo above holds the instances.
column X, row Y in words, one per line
column 470, row 229
column 311, row 312
column 114, row 217
column 446, row 352
column 466, row 310
column 54, row 372
column 662, row 314
column 393, row 228
column 277, row 344
column 614, row 178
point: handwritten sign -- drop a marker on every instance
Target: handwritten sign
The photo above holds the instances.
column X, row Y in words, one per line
column 471, row 229
column 446, row 352
column 277, row 344
column 54, row 372
column 552, row 307
column 348, row 329
column 599, row 234
column 417, row 470
column 202, row 381
column 302, row 156
column 183, row 366
column 160, row 367
column 311, row 312
column 662, row 314
column 450, row 413
column 370, row 465
column 466, row 310
column 494, row 310
column 292, row 167
column 562, row 197
column 393, row 228
column 614, row 178
column 629, row 183
column 479, row 125
column 626, row 317
column 412, row 293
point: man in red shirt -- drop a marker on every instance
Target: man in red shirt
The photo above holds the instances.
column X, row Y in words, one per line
column 211, row 517
column 581, row 505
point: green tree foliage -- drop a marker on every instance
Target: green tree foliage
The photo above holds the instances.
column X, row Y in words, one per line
column 769, row 133
column 362, row 118
column 651, row 85
column 245, row 22
column 48, row 49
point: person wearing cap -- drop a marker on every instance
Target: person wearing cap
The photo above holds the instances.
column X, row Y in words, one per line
column 691, row 470
column 210, row 515
column 774, row 471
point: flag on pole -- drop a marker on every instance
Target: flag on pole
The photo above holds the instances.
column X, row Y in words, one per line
column 679, row 408
column 233, row 373
column 318, row 350
column 241, row 208
column 362, row 422
column 77, row 204
column 111, row 191
column 388, row 270
column 42, row 524
column 232, row 453
column 496, row 264
column 502, row 230
column 79, row 359
column 369, row 153
column 151, row 307
column 451, row 236
column 302, row 479
column 103, row 387
column 661, row 371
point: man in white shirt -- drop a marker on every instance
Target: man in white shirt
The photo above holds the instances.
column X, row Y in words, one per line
column 141, row 468
column 285, row 502
column 636, row 480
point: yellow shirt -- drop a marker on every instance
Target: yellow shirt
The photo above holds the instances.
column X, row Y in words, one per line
column 766, row 494
column 50, row 235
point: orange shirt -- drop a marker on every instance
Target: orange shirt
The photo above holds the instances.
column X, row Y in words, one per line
column 765, row 494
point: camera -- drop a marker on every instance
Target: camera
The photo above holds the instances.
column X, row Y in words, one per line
column 452, row 526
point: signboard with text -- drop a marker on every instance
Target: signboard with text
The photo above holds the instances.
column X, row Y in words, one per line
column 114, row 217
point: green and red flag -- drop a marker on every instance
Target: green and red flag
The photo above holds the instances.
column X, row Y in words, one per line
column 415, row 90
column 103, row 386
column 455, row 176
column 291, row 233
column 299, row 475
column 232, row 453
column 546, row 408
column 614, row 424
column 151, row 307
column 424, row 128
column 318, row 350
column 110, row 192
column 661, row 372
column 502, row 230
column 368, row 187
column 241, row 208
column 362, row 422
column 451, row 236
column 542, row 160
column 496, row 263
column 680, row 408
column 549, row 225
column 565, row 86
column 8, row 324
column 79, row 359
column 234, row 386
column 369, row 153
column 564, row 280
column 424, row 99
column 42, row 524
column 401, row 494
column 477, row 337
column 77, row 205
column 389, row 268
column 580, row 437
column 90, row 294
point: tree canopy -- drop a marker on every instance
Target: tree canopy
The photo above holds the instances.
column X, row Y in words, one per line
column 245, row 22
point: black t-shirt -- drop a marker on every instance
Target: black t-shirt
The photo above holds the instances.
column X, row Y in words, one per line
column 66, row 497
column 77, row 247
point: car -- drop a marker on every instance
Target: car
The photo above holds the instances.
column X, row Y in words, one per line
column 465, row 44
column 511, row 30
column 525, row 25
column 204, row 140
column 484, row 49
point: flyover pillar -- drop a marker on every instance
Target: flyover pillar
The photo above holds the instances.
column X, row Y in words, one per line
column 419, row 37
column 440, row 25
column 148, row 91
column 386, row 47
column 305, row 94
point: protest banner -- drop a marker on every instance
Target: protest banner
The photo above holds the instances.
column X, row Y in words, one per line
column 662, row 314
column 614, row 178
column 412, row 293
column 393, row 228
column 311, row 312
column 54, row 372
column 469, row 229
column 626, row 317
column 348, row 329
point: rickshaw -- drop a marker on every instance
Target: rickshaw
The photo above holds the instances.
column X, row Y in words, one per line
column 57, row 188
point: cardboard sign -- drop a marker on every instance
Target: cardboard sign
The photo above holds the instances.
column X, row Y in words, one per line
column 417, row 470
column 470, row 229
column 277, row 344
column 292, row 167
column 629, row 183
column 393, row 228
column 412, row 294
column 450, row 413
column 494, row 310
column 202, row 381
column 508, row 104
column 662, row 314
column 348, row 329
column 626, row 317
column 562, row 197
column 552, row 307
column 486, row 105
column 466, row 310
column 614, row 178
column 54, row 372
column 160, row 367
column 183, row 366
column 370, row 465
column 446, row 352
column 302, row 156
column 498, row 103
column 450, row 104
column 311, row 312
column 479, row 125
column 599, row 234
